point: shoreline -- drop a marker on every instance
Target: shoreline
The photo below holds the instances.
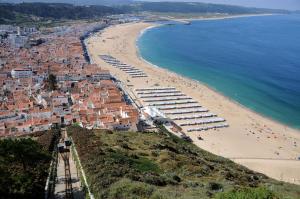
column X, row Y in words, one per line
column 250, row 135
column 220, row 93
column 232, row 17
column 203, row 18
column 205, row 84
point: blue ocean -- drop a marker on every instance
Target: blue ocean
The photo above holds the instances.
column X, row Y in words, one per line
column 252, row 60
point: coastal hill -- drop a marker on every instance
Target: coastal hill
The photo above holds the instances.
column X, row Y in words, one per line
column 36, row 12
column 77, row 2
column 156, row 165
column 161, row 165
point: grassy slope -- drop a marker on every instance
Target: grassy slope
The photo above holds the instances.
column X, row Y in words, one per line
column 24, row 164
column 151, row 165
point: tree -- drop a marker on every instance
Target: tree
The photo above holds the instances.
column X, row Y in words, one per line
column 52, row 82
column 24, row 167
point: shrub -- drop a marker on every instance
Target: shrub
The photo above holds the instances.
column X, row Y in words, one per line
column 128, row 189
column 214, row 186
column 249, row 193
column 23, row 168
column 154, row 179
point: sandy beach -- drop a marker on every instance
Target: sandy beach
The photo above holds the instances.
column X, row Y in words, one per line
column 251, row 139
column 189, row 19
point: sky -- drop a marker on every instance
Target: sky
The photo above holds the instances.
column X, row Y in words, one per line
column 277, row 4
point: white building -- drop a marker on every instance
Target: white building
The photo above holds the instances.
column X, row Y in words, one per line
column 60, row 99
column 101, row 75
column 17, row 41
column 21, row 73
column 8, row 28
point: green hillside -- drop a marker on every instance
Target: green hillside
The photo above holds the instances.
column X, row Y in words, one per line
column 159, row 165
column 24, row 165
column 36, row 12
